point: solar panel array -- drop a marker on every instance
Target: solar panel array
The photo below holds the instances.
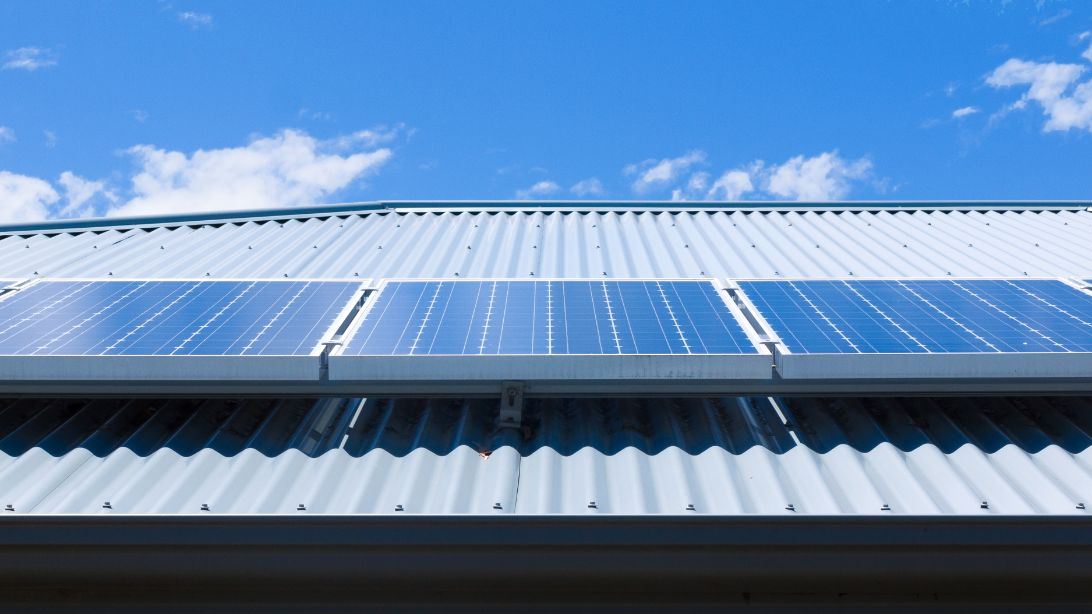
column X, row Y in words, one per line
column 418, row 318
column 925, row 316
column 205, row 318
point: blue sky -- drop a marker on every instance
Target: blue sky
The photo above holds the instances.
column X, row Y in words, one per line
column 146, row 108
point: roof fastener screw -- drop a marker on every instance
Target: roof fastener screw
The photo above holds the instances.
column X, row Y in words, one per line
column 885, row 508
column 1080, row 506
column 497, row 506
column 106, row 506
column 161, row 247
column 690, row 507
column 205, row 507
column 399, row 508
column 593, row 505
column 790, row 507
column 985, row 505
column 301, row 508
column 9, row 508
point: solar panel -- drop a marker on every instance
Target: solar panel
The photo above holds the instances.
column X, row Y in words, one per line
column 212, row 318
column 516, row 329
column 979, row 317
column 421, row 318
column 107, row 320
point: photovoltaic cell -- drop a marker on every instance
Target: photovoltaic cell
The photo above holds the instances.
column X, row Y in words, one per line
column 207, row 318
column 548, row 317
column 925, row 316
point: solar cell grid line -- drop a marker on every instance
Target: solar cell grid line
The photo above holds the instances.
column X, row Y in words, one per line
column 165, row 318
column 543, row 317
column 912, row 316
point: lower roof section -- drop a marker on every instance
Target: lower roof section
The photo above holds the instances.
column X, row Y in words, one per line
column 694, row 456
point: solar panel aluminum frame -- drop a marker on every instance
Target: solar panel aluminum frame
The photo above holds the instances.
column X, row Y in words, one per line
column 1073, row 367
column 148, row 369
column 555, row 373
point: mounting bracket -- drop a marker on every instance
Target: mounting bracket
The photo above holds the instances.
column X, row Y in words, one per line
column 511, row 407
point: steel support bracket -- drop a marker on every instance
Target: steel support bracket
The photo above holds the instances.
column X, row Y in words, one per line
column 511, row 406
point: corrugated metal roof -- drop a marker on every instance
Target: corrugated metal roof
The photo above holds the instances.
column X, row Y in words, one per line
column 442, row 456
column 723, row 456
column 573, row 243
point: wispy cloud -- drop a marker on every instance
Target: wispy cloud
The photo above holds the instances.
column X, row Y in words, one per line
column 1055, row 18
column 24, row 198
column 652, row 173
column 538, row 190
column 731, row 185
column 80, row 194
column 288, row 169
column 826, row 176
column 50, row 138
column 306, row 113
column 195, row 20
column 140, row 115
column 588, row 187
column 964, row 112
column 1065, row 100
column 7, row 135
column 29, row 58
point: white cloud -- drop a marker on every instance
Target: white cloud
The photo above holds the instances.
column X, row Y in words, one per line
column 964, row 112
column 372, row 137
column 1087, row 54
column 140, row 115
column 195, row 20
column 542, row 188
column 50, row 138
column 1065, row 102
column 588, row 187
column 28, row 58
column 7, row 135
column 289, row 169
column 826, row 176
column 731, row 185
column 25, row 199
column 652, row 174
column 1055, row 18
column 79, row 195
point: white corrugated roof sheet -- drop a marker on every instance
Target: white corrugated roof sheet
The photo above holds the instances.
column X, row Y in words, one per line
column 593, row 243
column 615, row 456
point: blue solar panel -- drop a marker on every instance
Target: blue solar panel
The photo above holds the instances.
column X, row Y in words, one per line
column 548, row 317
column 217, row 318
column 925, row 316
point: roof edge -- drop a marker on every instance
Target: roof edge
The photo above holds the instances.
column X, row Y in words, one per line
column 349, row 208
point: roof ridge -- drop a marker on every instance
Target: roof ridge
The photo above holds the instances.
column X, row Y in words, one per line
column 549, row 206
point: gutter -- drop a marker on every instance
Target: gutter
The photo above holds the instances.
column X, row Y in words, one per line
column 541, row 558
